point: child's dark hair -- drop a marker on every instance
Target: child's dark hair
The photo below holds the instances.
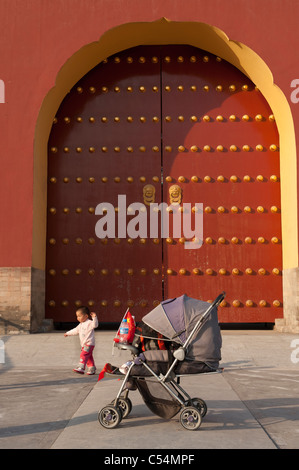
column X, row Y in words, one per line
column 85, row 311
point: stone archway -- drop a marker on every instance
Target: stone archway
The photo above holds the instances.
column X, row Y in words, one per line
column 210, row 39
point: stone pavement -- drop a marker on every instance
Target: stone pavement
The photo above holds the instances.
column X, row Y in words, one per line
column 253, row 404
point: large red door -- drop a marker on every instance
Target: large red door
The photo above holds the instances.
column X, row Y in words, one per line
column 220, row 146
column 155, row 124
column 105, row 147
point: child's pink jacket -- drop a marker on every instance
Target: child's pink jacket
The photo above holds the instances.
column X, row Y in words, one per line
column 85, row 331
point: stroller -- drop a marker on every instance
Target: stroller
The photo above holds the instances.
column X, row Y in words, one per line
column 190, row 336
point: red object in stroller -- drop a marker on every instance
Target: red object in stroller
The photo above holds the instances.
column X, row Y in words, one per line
column 192, row 329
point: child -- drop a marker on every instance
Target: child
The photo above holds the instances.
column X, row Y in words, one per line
column 85, row 330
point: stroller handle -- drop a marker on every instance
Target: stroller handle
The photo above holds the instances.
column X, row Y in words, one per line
column 219, row 299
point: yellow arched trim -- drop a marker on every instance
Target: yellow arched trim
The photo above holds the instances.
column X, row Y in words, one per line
column 162, row 32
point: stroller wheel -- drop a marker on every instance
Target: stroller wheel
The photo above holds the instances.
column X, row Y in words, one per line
column 110, row 416
column 125, row 406
column 201, row 405
column 190, row 418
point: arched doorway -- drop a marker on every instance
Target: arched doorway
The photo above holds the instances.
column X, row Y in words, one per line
column 165, row 116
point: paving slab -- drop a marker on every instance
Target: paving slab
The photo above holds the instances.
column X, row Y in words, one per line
column 253, row 404
column 227, row 425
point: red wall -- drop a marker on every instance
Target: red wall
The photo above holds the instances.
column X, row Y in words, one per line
column 38, row 36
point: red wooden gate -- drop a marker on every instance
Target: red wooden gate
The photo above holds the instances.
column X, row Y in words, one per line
column 147, row 124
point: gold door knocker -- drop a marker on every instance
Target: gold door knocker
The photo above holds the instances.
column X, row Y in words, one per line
column 175, row 194
column 149, row 194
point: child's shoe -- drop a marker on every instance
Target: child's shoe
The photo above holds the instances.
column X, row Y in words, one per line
column 91, row 370
column 79, row 369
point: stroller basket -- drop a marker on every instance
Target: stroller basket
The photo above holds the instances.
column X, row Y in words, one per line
column 157, row 398
column 192, row 327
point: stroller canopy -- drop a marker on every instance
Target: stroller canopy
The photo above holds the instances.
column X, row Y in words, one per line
column 176, row 318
